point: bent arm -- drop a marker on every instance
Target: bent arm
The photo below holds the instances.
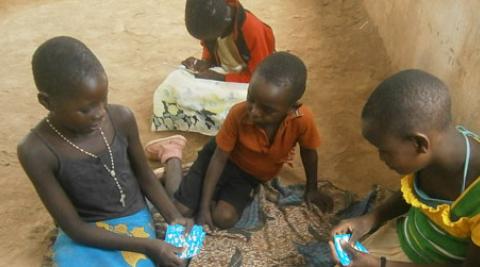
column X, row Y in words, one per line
column 214, row 170
column 360, row 259
column 310, row 163
column 150, row 186
column 406, row 264
column 391, row 208
column 39, row 164
column 472, row 260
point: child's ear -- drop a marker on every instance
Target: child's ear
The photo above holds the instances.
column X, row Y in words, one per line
column 230, row 14
column 421, row 142
column 44, row 99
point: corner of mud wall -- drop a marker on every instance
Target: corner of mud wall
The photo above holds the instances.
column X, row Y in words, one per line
column 345, row 58
column 441, row 37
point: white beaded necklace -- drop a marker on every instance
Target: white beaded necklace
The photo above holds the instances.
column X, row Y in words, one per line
column 110, row 170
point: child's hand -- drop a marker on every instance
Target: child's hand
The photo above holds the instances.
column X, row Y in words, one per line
column 357, row 258
column 322, row 201
column 185, row 222
column 210, row 75
column 357, row 227
column 205, row 218
column 164, row 254
column 195, row 64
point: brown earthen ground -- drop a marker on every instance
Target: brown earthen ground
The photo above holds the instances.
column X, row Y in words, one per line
column 133, row 39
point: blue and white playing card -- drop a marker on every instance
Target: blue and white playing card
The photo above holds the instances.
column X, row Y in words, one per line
column 342, row 254
column 192, row 243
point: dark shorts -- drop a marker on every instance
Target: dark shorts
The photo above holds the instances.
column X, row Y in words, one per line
column 234, row 186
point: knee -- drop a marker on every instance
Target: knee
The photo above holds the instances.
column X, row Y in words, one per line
column 225, row 217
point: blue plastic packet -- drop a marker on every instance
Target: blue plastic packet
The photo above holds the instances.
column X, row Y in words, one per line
column 342, row 254
column 192, row 243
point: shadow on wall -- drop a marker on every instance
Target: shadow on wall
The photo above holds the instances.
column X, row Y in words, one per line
column 440, row 37
column 346, row 59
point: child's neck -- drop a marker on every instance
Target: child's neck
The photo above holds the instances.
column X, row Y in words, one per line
column 272, row 129
column 447, row 166
column 449, row 152
column 73, row 135
column 229, row 30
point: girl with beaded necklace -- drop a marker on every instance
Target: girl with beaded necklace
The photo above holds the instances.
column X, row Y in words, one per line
column 87, row 165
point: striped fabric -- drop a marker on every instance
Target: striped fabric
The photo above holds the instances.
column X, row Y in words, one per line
column 424, row 242
column 439, row 234
column 438, row 231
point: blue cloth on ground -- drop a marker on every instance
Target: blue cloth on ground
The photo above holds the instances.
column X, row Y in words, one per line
column 360, row 207
column 289, row 195
column 67, row 252
column 253, row 217
column 317, row 253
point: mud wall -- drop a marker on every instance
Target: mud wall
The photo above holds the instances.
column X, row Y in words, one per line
column 440, row 37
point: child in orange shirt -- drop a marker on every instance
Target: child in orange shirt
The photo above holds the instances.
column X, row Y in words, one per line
column 250, row 148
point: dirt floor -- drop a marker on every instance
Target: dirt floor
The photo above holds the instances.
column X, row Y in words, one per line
column 133, row 40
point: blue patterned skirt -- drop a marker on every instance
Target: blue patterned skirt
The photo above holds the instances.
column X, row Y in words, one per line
column 67, row 252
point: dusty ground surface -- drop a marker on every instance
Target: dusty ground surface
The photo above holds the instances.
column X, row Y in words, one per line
column 133, row 39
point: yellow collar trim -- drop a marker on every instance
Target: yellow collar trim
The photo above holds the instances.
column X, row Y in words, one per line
column 440, row 215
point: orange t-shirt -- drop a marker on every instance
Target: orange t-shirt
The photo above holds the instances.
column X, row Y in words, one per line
column 249, row 145
column 260, row 42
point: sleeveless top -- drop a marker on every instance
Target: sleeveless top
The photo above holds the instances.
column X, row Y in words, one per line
column 91, row 189
column 438, row 230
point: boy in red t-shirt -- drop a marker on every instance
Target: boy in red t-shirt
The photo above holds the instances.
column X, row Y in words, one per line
column 232, row 38
column 250, row 148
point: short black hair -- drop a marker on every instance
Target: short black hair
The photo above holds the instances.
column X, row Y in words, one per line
column 60, row 64
column 284, row 70
column 410, row 100
column 202, row 17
